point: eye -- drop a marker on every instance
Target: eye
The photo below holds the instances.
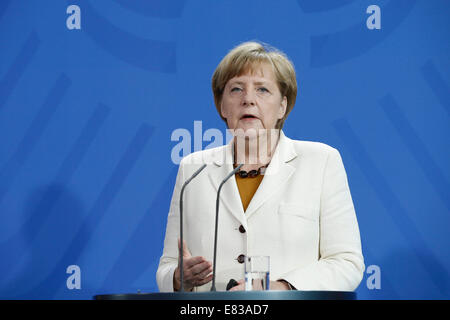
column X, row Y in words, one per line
column 235, row 89
column 263, row 89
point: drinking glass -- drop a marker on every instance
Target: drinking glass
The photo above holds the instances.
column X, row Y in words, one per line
column 257, row 270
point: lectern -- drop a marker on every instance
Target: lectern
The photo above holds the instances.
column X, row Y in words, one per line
column 235, row 295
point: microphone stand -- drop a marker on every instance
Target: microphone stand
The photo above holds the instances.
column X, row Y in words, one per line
column 232, row 173
column 181, row 224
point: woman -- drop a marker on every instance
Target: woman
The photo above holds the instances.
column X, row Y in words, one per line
column 290, row 200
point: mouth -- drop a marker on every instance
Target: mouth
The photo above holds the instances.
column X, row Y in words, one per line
column 248, row 117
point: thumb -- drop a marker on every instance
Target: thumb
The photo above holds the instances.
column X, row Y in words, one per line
column 186, row 252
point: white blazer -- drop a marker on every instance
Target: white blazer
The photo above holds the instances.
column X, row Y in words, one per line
column 302, row 216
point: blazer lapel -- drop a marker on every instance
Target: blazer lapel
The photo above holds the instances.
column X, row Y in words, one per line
column 277, row 174
column 222, row 165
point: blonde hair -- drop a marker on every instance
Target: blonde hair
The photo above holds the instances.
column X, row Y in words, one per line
column 245, row 58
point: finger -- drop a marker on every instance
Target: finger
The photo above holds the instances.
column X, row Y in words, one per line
column 200, row 267
column 206, row 272
column 186, row 252
column 204, row 281
column 191, row 276
column 202, row 274
column 192, row 261
column 239, row 287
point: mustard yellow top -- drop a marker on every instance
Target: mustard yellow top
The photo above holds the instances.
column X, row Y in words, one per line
column 247, row 188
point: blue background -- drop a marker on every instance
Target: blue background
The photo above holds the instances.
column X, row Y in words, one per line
column 86, row 118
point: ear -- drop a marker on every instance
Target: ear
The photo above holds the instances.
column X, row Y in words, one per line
column 283, row 107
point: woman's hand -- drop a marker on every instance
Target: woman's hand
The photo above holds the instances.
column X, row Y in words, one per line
column 274, row 285
column 197, row 271
column 239, row 287
column 279, row 285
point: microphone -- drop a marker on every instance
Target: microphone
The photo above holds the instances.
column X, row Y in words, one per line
column 181, row 223
column 232, row 173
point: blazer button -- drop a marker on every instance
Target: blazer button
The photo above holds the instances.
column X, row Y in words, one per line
column 241, row 258
column 241, row 229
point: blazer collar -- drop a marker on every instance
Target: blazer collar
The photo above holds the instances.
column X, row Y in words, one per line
column 276, row 175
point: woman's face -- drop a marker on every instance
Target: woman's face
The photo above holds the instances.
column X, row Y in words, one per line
column 253, row 101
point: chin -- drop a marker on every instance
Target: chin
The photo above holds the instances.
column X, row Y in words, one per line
column 247, row 132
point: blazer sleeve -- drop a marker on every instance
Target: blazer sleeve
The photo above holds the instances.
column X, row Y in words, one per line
column 340, row 266
column 169, row 259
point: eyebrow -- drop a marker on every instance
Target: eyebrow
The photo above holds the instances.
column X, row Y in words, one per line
column 257, row 82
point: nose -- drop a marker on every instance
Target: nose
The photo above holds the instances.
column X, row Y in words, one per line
column 248, row 98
